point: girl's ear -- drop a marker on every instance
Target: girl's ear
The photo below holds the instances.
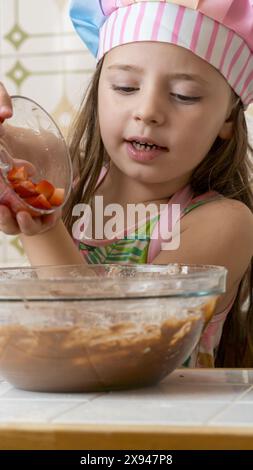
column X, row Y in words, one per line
column 226, row 131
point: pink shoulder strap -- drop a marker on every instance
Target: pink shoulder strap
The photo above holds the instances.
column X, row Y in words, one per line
column 183, row 198
column 221, row 316
column 101, row 176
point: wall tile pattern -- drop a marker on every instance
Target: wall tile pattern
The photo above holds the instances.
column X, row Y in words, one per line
column 43, row 58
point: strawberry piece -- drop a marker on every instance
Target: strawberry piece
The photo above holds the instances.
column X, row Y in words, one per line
column 41, row 195
column 24, row 188
column 58, row 197
column 40, row 202
column 46, row 188
column 17, row 174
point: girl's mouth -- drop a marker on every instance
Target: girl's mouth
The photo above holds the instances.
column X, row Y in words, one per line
column 144, row 152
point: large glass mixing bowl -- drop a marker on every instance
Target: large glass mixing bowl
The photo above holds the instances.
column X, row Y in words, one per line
column 102, row 327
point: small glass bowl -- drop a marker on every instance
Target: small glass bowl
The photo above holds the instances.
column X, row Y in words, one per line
column 102, row 327
column 32, row 138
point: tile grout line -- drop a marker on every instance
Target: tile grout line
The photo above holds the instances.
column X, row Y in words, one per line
column 243, row 393
column 230, row 404
column 57, row 415
column 52, row 53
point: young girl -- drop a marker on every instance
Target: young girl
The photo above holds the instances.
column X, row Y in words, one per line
column 163, row 123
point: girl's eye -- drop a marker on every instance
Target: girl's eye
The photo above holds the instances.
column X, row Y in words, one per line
column 184, row 98
column 178, row 97
column 125, row 89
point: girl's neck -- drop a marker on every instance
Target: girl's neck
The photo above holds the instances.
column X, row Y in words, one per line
column 116, row 187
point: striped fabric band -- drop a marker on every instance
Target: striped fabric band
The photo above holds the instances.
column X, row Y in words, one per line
column 189, row 28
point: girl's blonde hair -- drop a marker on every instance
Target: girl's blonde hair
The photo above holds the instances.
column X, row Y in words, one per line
column 227, row 168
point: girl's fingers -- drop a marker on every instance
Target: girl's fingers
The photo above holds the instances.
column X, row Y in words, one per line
column 51, row 219
column 29, row 225
column 8, row 223
column 25, row 223
column 5, row 104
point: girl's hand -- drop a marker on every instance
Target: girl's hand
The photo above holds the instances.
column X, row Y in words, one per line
column 24, row 223
column 5, row 104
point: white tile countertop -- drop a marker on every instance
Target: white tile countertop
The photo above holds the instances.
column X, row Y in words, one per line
column 190, row 409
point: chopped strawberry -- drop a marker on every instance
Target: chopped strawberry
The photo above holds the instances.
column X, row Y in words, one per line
column 17, row 174
column 24, row 188
column 40, row 202
column 46, row 188
column 58, row 197
column 41, row 195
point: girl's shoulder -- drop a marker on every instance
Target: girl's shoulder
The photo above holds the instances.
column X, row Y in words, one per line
column 223, row 226
column 217, row 233
column 217, row 209
column 199, row 201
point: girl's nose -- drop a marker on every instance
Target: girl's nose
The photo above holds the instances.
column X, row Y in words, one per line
column 150, row 110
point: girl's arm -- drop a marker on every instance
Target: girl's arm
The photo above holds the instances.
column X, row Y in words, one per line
column 53, row 247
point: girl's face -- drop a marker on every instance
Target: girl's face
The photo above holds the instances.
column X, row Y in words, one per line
column 167, row 95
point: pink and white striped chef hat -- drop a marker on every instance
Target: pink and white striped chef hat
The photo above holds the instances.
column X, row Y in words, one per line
column 218, row 31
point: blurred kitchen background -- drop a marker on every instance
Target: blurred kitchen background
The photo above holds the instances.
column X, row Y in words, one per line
column 42, row 57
